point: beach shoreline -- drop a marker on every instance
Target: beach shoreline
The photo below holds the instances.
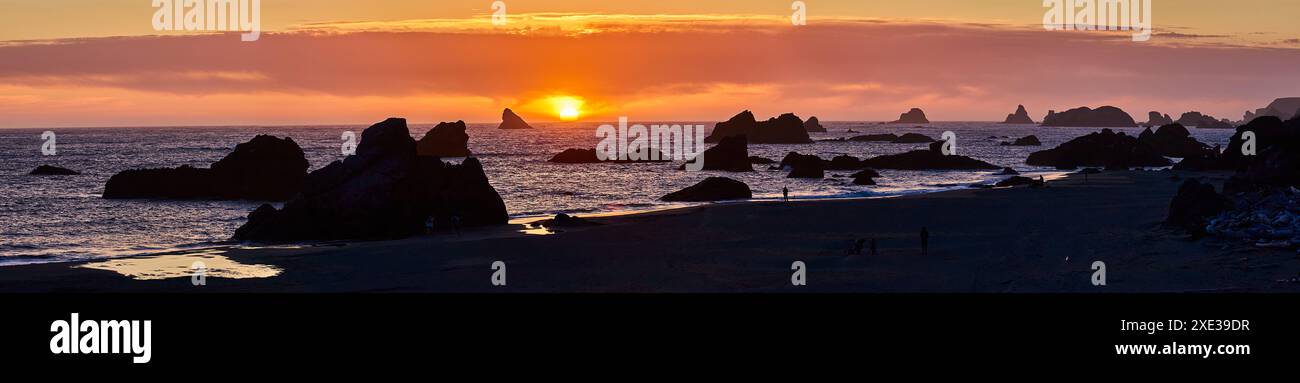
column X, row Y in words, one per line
column 984, row 240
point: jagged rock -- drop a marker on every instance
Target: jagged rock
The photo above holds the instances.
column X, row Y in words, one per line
column 1103, row 117
column 813, row 125
column 448, row 139
column 887, row 137
column 786, row 129
column 913, row 138
column 1194, row 204
column 731, row 154
column 865, row 177
column 47, row 170
column 1173, row 140
column 1156, row 119
column 914, row 116
column 844, row 162
column 265, row 168
column 588, row 156
column 1030, row 140
column 510, row 120
column 1107, row 148
column 1019, row 117
column 1202, row 121
column 927, row 160
column 1283, row 108
column 384, row 191
column 804, row 166
column 711, row 189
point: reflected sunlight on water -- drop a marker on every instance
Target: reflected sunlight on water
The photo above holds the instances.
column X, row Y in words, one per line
column 156, row 267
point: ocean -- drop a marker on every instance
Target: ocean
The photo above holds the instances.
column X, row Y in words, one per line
column 48, row 219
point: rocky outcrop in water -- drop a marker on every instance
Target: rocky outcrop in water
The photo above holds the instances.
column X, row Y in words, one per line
column 1030, row 140
column 865, row 177
column 1021, row 116
column 1103, row 117
column 48, row 170
column 448, row 139
column 1173, row 140
column 1283, row 108
column 927, row 160
column 386, row 190
column 731, row 155
column 265, row 168
column 1156, row 119
column 1201, row 121
column 813, row 125
column 1107, row 148
column 786, row 129
column 711, row 189
column 510, row 120
column 913, row 138
column 914, row 116
column 804, row 165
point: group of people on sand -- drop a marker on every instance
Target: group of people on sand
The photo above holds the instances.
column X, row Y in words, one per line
column 862, row 242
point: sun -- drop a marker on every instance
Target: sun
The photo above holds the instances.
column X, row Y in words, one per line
column 568, row 108
column 569, row 113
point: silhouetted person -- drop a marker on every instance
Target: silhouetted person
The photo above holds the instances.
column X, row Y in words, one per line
column 925, row 241
column 785, row 193
column 873, row 247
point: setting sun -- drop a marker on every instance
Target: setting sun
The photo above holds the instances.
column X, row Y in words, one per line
column 569, row 113
column 568, row 108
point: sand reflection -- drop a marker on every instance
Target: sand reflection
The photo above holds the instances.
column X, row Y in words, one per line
column 155, row 267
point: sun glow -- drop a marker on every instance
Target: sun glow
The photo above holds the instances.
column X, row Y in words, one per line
column 568, row 108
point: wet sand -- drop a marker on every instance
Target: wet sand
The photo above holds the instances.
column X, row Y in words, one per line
column 982, row 240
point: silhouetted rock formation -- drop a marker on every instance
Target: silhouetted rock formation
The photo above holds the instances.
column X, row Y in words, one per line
column 564, row 220
column 845, row 162
column 927, row 160
column 1201, row 121
column 804, row 166
column 1030, row 140
column 914, row 116
column 865, row 177
column 731, row 154
column 1282, row 108
column 1173, row 140
column 384, row 191
column 448, row 139
column 1194, row 204
column 913, row 138
column 1103, row 117
column 1277, row 159
column 887, row 137
column 711, row 189
column 1156, row 119
column 588, row 156
column 1019, row 117
column 813, row 125
column 264, row 169
column 1017, row 181
column 786, row 129
column 1107, row 148
column 1009, row 172
column 47, row 170
column 510, row 120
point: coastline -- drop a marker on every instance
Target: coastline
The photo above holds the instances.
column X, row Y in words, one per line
column 984, row 240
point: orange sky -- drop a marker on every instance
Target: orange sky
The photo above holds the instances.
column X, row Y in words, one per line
column 99, row 63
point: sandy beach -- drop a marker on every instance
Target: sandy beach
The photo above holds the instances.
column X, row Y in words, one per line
column 988, row 241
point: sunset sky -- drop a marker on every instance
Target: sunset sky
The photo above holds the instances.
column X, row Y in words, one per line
column 100, row 63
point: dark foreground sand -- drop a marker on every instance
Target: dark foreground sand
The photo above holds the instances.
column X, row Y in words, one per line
column 1001, row 240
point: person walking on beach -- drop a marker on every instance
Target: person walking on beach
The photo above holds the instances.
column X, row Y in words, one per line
column 785, row 193
column 925, row 241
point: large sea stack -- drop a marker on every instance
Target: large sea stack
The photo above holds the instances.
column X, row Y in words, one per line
column 914, row 116
column 510, row 120
column 265, row 168
column 384, row 191
column 786, row 129
column 813, row 125
column 1107, row 148
column 1103, row 117
column 448, row 139
column 1021, row 116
